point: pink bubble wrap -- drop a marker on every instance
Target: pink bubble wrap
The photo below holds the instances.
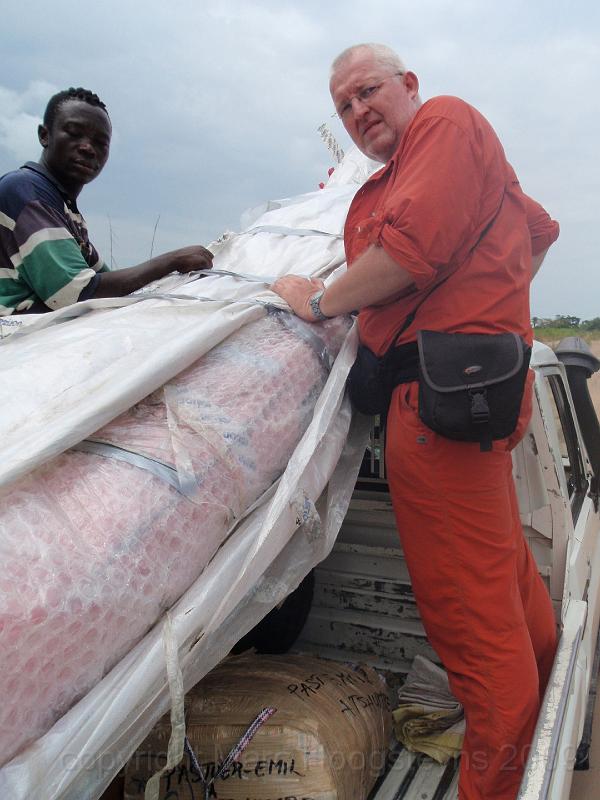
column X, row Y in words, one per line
column 95, row 549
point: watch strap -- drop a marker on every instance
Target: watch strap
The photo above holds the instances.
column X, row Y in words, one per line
column 315, row 306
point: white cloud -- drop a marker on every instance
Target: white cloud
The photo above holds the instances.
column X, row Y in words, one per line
column 18, row 127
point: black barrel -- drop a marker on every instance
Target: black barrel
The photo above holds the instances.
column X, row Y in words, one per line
column 580, row 364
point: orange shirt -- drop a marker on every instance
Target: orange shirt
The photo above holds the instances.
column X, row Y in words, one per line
column 428, row 208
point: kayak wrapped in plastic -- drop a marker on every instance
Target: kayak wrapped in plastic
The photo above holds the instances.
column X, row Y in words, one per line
column 118, row 496
column 103, row 543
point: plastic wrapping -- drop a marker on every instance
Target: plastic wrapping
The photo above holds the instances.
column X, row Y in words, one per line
column 88, row 571
column 85, row 366
column 261, row 562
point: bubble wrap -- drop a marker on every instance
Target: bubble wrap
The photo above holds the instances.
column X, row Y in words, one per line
column 94, row 549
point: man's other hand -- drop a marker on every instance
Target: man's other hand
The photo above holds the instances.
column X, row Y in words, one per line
column 189, row 259
column 119, row 282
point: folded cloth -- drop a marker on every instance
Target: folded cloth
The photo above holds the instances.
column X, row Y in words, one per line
column 428, row 718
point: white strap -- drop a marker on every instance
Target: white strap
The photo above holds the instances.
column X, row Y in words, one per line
column 177, row 738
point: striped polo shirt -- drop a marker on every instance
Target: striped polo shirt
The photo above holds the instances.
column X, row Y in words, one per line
column 45, row 253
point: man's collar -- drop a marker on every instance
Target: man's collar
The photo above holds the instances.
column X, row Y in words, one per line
column 42, row 170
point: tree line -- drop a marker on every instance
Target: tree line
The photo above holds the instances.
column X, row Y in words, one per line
column 563, row 321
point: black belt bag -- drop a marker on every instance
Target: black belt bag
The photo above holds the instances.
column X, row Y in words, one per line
column 471, row 385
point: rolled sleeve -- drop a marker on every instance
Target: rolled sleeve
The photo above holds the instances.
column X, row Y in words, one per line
column 543, row 230
column 404, row 252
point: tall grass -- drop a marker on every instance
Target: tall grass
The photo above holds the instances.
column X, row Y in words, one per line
column 552, row 336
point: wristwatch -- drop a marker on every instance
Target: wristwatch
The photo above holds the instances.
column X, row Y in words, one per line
column 315, row 306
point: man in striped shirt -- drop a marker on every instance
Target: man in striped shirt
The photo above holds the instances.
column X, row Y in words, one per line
column 46, row 259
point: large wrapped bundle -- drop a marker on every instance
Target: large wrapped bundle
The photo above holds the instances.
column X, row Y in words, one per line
column 326, row 740
column 97, row 543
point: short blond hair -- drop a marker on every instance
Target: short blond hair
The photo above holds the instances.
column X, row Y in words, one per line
column 383, row 54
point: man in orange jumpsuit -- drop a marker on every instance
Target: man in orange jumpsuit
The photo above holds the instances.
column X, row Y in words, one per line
column 448, row 202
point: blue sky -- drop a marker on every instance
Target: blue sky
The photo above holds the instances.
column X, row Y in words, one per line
column 215, row 107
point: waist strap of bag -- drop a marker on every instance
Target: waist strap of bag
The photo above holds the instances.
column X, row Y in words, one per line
column 401, row 364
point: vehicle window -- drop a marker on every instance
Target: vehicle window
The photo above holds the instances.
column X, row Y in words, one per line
column 570, row 453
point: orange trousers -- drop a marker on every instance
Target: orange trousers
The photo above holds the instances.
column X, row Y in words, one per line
column 485, row 609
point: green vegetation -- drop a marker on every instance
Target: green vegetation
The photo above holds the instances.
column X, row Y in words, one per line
column 553, row 330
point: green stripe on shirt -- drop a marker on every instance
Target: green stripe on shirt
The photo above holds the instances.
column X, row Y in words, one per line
column 53, row 267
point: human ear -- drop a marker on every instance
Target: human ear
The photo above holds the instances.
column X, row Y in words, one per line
column 412, row 83
column 43, row 135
